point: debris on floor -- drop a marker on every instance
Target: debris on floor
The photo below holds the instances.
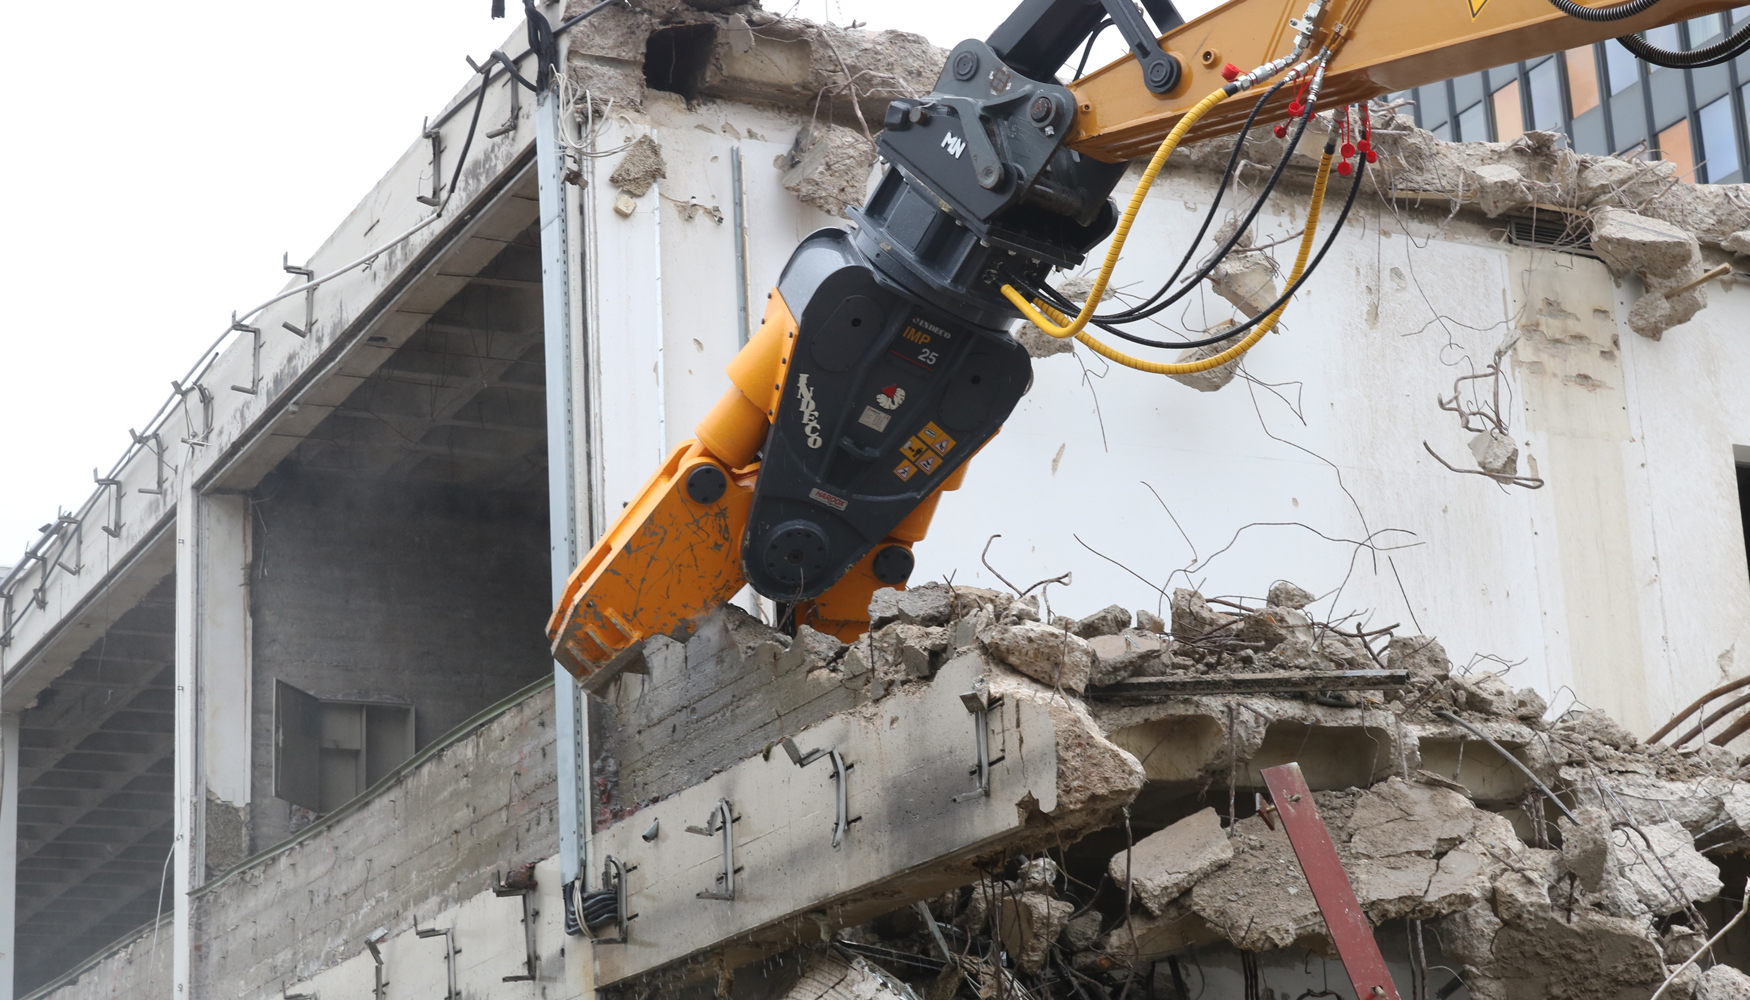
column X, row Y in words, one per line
column 1603, row 889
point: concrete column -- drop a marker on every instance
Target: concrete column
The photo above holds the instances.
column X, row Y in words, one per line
column 212, row 701
column 8, row 848
column 185, row 855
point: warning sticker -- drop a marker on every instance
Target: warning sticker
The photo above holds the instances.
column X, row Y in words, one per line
column 914, row 448
column 905, row 470
column 936, row 438
column 929, row 462
column 874, row 418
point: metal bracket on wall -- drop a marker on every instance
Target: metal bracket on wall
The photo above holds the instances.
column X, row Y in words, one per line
column 206, row 397
column 114, row 528
column 380, row 986
column 254, row 355
column 979, row 701
column 721, row 823
column 309, row 296
column 614, row 880
column 155, row 444
column 437, row 164
column 516, row 102
column 450, row 952
column 526, row 892
column 296, row 996
column 840, row 773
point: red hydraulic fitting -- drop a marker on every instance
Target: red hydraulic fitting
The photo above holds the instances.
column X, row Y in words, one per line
column 1230, row 72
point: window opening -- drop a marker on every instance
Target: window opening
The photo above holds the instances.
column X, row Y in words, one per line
column 1473, row 124
column 1509, row 116
column 326, row 753
column 1619, row 65
column 1674, row 146
column 1546, row 97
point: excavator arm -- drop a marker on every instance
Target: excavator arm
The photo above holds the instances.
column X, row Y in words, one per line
column 884, row 362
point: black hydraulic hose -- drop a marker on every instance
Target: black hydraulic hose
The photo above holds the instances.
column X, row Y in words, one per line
column 1724, row 50
column 1288, row 293
column 1154, row 303
column 1088, row 49
column 1614, row 13
column 1215, row 203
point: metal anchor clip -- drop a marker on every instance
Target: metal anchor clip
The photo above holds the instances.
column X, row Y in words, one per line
column 840, row 772
column 980, row 701
column 721, row 823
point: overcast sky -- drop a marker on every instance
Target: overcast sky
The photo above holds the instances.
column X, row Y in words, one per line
column 164, row 155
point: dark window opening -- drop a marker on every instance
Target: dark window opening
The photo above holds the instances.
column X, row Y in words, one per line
column 675, row 59
column 1744, row 507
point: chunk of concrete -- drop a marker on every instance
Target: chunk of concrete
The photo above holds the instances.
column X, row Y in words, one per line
column 1664, row 305
column 1496, row 453
column 1210, row 379
column 1722, row 982
column 1247, row 281
column 928, row 604
column 827, row 975
column 1398, row 817
column 1586, row 846
column 1192, row 615
column 1126, row 654
column 1273, row 626
column 1423, row 658
column 1167, row 862
column 1664, row 869
column 1080, row 933
column 1738, row 243
column 1109, row 620
column 1592, row 724
column 640, row 168
column 828, row 168
column 1286, row 595
column 1390, row 888
column 1031, row 923
column 1048, row 655
column 1486, row 694
column 1150, row 622
column 1628, row 242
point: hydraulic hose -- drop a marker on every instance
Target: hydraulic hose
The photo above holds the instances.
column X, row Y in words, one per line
column 1613, row 13
column 1067, row 327
column 1258, row 332
column 1724, row 50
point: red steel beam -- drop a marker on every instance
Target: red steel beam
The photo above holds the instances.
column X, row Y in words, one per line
column 1349, row 927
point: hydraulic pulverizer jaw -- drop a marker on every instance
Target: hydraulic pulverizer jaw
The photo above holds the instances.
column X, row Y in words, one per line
column 883, row 364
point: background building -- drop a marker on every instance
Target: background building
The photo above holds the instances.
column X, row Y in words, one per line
column 1607, row 101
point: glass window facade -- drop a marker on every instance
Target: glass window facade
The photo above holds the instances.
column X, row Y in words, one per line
column 1719, row 141
column 1606, row 101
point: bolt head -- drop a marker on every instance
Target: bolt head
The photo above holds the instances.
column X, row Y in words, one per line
column 965, row 65
column 1157, row 72
column 1043, row 108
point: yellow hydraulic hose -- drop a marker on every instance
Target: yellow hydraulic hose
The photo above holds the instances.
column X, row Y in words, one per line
column 1214, row 361
column 1170, row 143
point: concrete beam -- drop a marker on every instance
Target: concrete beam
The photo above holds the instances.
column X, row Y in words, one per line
column 917, row 825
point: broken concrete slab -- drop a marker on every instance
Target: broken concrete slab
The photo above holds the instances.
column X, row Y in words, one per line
column 1663, row 869
column 1722, row 982
column 1109, row 620
column 828, row 167
column 1283, row 594
column 1398, row 817
column 1128, row 653
column 1046, row 654
column 1031, row 923
column 1193, row 617
column 1165, row 863
column 1628, row 243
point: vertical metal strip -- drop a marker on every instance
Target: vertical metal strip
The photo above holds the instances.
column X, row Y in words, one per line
column 571, row 727
column 8, row 851
column 740, row 237
column 662, row 444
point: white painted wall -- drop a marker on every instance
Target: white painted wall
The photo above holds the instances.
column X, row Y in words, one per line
column 1283, row 473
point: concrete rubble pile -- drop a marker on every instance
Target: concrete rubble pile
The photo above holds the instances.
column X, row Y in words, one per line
column 1435, row 829
column 1639, row 216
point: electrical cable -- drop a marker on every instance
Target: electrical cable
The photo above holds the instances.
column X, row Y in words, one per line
column 1264, row 322
column 1614, row 13
column 1724, row 50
